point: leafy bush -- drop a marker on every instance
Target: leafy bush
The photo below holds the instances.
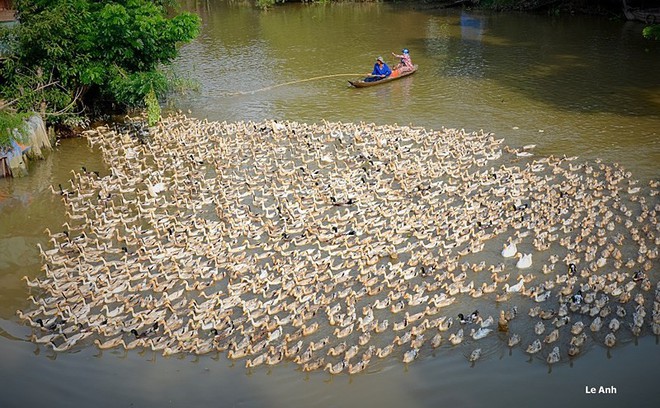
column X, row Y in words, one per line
column 69, row 55
column 153, row 108
column 652, row 32
column 264, row 4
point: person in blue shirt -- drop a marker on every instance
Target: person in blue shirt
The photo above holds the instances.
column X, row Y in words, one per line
column 381, row 70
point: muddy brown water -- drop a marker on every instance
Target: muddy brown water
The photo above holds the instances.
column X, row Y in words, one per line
column 574, row 86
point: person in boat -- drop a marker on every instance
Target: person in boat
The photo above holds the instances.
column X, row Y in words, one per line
column 381, row 71
column 406, row 63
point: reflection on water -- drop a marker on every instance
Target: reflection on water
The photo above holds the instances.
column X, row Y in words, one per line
column 590, row 85
column 472, row 27
column 468, row 60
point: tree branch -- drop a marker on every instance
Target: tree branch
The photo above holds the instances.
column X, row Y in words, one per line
column 37, row 89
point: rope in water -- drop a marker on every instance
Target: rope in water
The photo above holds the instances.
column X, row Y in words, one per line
column 292, row 83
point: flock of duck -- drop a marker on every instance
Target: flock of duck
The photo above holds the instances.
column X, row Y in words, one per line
column 335, row 245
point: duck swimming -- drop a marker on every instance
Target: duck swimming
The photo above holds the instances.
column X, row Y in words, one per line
column 614, row 324
column 337, row 368
column 385, row 351
column 524, row 262
column 456, row 338
column 610, row 340
column 502, row 322
column 518, row 287
column 436, row 341
column 358, row 367
column 410, row 355
column 481, row 333
column 573, row 350
column 554, row 356
column 539, row 328
column 488, row 322
column 577, row 328
column 475, row 355
column 514, row 340
column 471, row 318
column 542, row 297
column 577, row 298
column 552, row 337
column 535, row 347
column 510, row 250
column 263, row 236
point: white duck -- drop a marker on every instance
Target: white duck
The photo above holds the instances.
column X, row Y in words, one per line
column 481, row 333
column 510, row 250
column 154, row 189
column 515, row 288
column 525, row 261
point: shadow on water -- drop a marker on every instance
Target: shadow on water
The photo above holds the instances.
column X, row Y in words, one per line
column 578, row 64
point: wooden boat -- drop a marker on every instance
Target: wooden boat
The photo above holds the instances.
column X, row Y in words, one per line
column 396, row 74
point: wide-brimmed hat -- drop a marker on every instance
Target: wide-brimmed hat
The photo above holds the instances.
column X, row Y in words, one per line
column 380, row 59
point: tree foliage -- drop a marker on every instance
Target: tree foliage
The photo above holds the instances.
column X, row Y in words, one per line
column 652, row 32
column 71, row 54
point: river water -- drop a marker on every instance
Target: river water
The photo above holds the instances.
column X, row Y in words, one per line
column 575, row 86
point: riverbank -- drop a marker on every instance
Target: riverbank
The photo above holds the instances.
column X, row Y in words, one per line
column 31, row 146
column 612, row 9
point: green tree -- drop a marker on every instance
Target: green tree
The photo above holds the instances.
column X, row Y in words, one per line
column 70, row 55
column 652, row 32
